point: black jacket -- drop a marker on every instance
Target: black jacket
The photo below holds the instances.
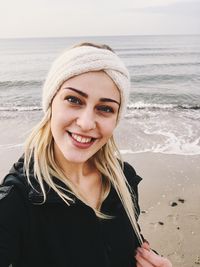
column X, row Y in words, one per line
column 57, row 235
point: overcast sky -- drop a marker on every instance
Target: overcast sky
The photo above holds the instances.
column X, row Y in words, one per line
column 49, row 18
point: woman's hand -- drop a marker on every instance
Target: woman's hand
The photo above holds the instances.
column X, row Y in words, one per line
column 145, row 257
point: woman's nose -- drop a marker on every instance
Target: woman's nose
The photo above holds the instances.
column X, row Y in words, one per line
column 86, row 120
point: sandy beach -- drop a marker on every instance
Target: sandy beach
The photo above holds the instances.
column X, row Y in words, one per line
column 169, row 193
column 170, row 205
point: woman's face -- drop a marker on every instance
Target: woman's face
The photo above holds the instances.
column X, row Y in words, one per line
column 84, row 115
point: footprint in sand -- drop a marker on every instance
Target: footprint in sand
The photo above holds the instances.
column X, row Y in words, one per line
column 197, row 261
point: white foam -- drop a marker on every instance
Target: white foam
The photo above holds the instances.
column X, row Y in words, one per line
column 179, row 148
column 16, row 108
column 142, row 105
column 187, row 150
column 166, row 142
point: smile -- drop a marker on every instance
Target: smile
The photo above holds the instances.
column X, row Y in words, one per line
column 82, row 140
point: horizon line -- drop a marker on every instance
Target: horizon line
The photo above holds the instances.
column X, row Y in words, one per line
column 113, row 35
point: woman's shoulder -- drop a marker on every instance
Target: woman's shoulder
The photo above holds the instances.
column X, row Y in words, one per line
column 13, row 221
column 12, row 206
column 5, row 190
column 9, row 193
column 132, row 177
column 13, row 194
column 15, row 182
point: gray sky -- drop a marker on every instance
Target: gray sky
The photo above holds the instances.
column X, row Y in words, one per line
column 46, row 18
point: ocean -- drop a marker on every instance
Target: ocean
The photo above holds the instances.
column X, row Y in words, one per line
column 164, row 107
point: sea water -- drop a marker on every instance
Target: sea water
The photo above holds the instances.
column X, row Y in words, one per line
column 163, row 113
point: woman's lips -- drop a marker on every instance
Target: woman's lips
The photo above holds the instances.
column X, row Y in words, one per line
column 81, row 141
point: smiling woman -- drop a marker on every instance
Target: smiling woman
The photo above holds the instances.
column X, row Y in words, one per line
column 70, row 200
column 81, row 122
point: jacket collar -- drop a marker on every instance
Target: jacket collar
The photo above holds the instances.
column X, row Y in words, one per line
column 34, row 195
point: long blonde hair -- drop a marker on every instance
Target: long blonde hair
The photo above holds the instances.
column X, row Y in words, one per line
column 39, row 148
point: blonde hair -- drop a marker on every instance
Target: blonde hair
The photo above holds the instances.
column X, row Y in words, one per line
column 39, row 148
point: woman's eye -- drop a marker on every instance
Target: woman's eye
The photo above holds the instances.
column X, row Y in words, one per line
column 73, row 100
column 106, row 109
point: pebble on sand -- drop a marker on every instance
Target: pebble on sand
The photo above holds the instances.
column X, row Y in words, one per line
column 181, row 200
column 143, row 211
column 173, row 204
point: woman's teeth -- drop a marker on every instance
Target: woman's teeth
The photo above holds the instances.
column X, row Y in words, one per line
column 81, row 139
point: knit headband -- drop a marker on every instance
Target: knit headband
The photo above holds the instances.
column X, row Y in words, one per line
column 83, row 59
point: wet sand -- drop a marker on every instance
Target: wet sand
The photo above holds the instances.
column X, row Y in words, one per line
column 13, row 132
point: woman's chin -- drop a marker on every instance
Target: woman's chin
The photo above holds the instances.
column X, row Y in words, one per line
column 76, row 159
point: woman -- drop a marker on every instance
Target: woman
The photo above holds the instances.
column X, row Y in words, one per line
column 70, row 200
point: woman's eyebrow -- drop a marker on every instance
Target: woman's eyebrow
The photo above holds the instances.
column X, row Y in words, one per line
column 86, row 95
column 77, row 91
column 109, row 100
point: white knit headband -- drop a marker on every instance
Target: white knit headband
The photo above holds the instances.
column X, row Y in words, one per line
column 83, row 59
